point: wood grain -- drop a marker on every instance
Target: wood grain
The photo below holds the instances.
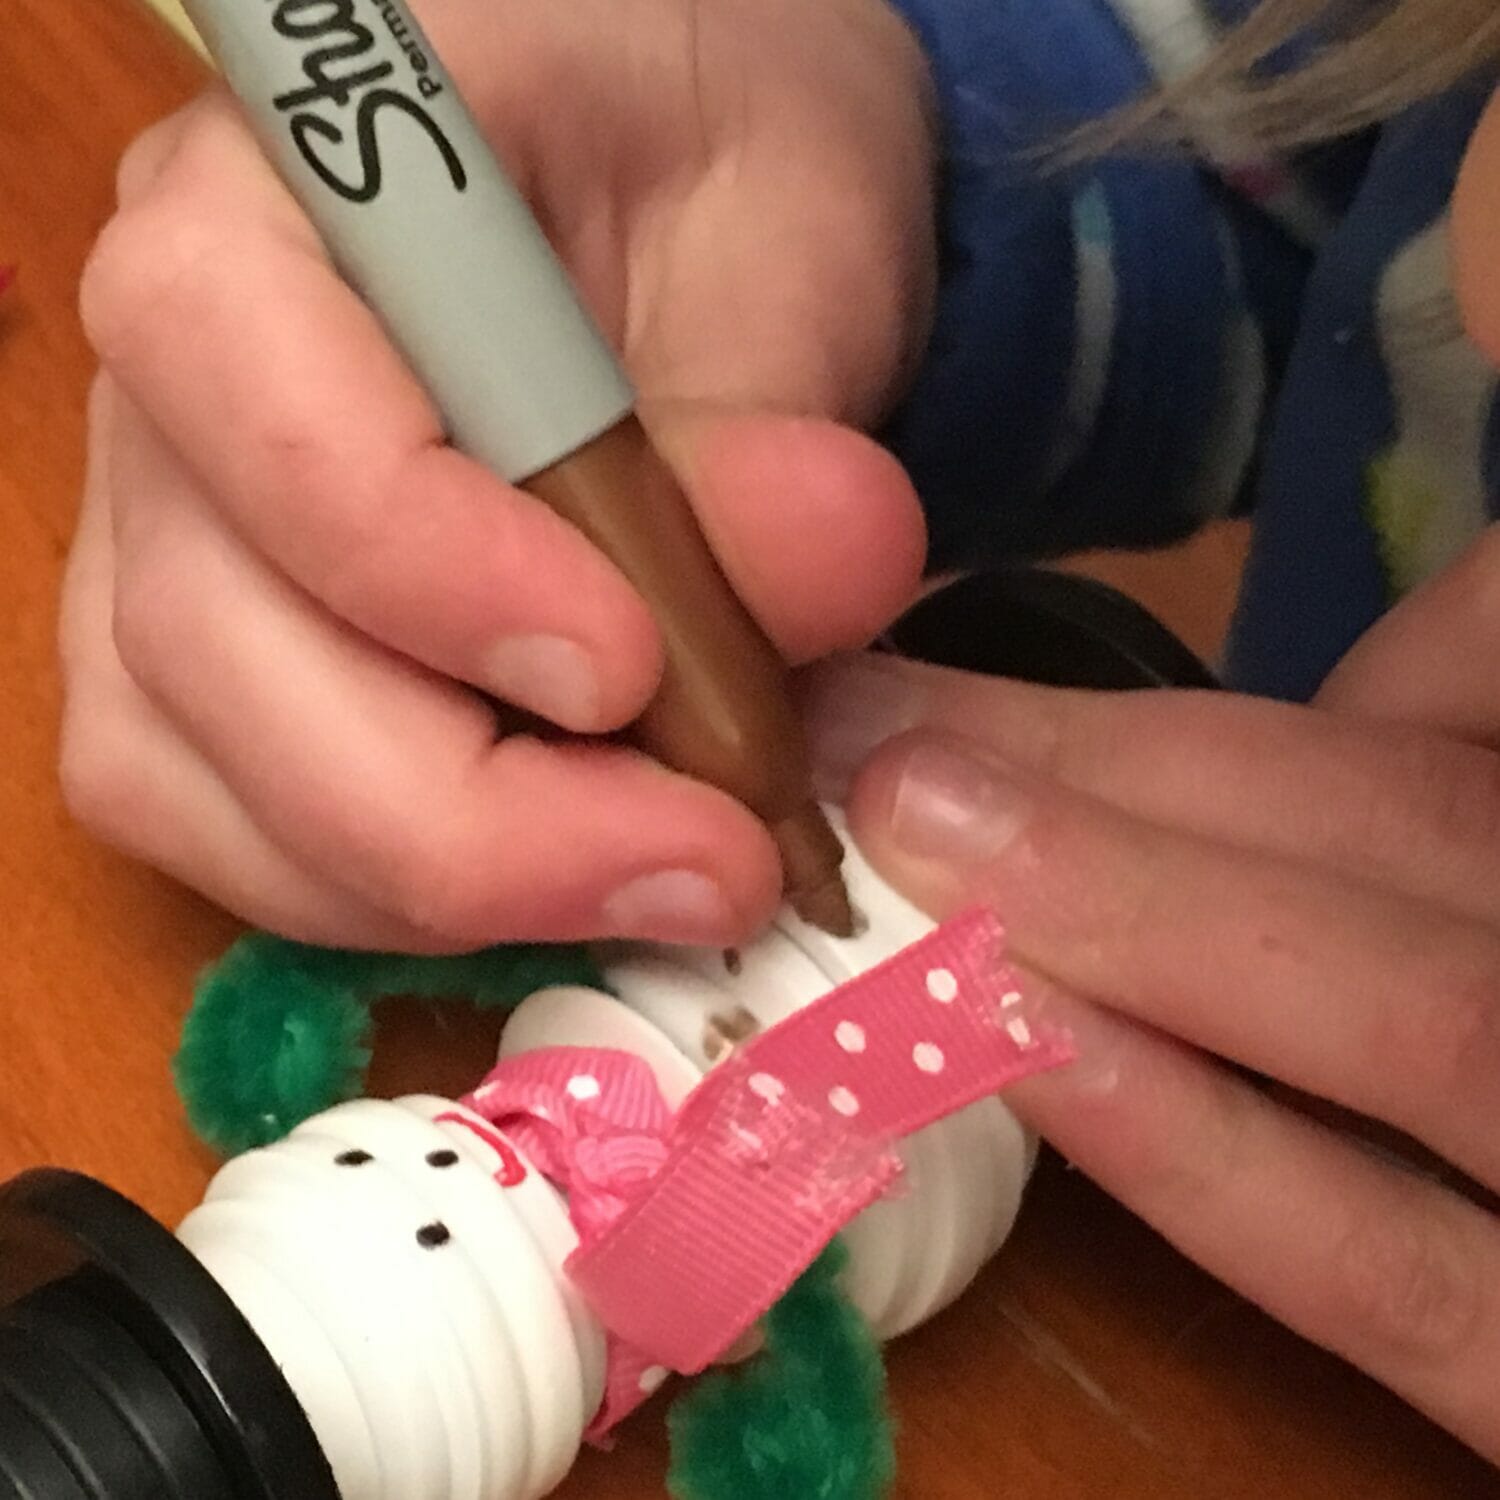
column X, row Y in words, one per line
column 1091, row 1362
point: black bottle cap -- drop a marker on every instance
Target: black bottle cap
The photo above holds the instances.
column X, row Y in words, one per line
column 1046, row 627
column 126, row 1373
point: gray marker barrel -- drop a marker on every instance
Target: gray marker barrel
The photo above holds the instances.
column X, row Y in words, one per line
column 367, row 128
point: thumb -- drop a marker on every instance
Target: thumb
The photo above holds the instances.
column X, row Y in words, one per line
column 817, row 527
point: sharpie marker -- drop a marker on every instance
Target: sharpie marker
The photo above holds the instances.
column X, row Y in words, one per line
column 356, row 112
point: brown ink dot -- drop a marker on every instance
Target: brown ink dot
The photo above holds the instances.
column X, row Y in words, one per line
column 442, row 1158
column 431, row 1236
column 724, row 1033
column 353, row 1158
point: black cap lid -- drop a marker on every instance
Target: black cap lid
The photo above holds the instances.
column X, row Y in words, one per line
column 126, row 1373
column 1046, row 627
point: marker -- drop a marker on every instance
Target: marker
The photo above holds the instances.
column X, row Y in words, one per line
column 356, row 112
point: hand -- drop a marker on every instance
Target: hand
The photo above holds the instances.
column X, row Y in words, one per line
column 285, row 589
column 1201, row 884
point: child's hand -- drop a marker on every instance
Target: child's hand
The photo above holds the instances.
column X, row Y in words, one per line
column 284, row 586
column 1198, row 882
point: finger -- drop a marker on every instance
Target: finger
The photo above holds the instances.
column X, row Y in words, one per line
column 817, row 527
column 1405, row 668
column 1476, row 220
column 134, row 782
column 380, row 777
column 1400, row 806
column 213, row 304
column 143, row 160
column 136, row 785
column 1381, row 1266
column 1377, row 1002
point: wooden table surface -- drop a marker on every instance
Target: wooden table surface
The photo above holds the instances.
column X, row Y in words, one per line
column 1090, row 1361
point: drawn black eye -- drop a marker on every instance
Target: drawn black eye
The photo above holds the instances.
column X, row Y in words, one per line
column 442, row 1158
column 353, row 1158
column 431, row 1236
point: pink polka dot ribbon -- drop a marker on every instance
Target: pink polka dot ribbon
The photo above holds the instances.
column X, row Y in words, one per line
column 692, row 1227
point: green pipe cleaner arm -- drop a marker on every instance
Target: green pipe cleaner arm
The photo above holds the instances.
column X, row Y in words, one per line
column 279, row 1031
column 805, row 1419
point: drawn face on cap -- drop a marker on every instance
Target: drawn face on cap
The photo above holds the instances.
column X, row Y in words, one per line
column 431, row 1234
column 425, row 1153
column 421, row 1238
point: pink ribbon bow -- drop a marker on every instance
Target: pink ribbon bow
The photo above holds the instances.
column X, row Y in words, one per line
column 691, row 1227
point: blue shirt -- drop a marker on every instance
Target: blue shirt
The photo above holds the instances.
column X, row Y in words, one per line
column 1127, row 349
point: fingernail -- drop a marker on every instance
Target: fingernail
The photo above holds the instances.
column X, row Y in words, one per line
column 548, row 675
column 852, row 709
column 670, row 906
column 952, row 806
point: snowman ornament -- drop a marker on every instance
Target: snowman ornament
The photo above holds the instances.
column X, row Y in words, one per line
column 411, row 1267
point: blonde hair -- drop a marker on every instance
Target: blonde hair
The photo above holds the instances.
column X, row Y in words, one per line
column 1364, row 60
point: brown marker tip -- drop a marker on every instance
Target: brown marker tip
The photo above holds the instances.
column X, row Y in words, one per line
column 811, row 856
column 723, row 711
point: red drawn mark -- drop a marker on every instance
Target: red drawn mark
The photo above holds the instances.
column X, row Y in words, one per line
column 1257, row 181
column 7, row 276
column 512, row 1171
